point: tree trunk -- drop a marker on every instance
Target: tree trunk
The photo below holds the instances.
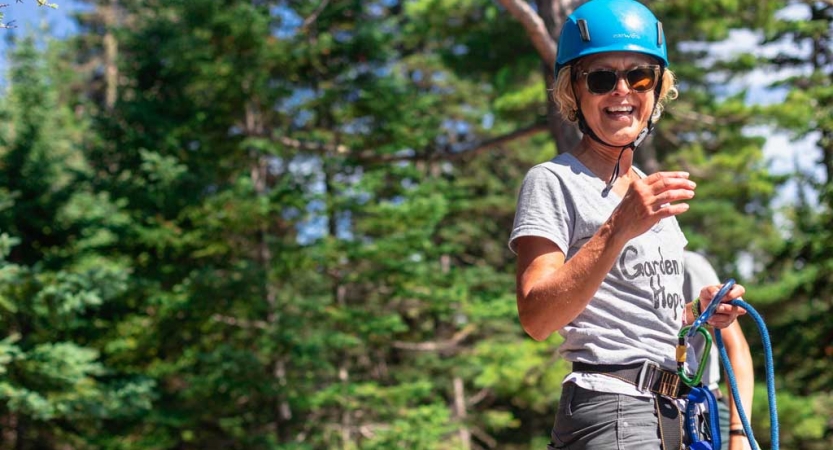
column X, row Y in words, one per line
column 254, row 126
column 554, row 12
column 460, row 413
column 110, row 17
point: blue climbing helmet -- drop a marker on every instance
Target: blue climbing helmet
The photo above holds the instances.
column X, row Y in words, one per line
column 610, row 26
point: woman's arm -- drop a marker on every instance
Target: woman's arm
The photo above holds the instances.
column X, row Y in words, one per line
column 550, row 293
column 741, row 359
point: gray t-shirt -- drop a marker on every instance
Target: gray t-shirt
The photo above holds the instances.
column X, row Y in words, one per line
column 636, row 313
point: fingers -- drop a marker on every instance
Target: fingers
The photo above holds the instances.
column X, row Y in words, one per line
column 721, row 321
column 664, row 181
column 651, row 199
column 725, row 314
column 667, row 210
column 671, row 187
column 708, row 293
column 730, row 310
column 737, row 291
column 662, row 189
column 659, row 176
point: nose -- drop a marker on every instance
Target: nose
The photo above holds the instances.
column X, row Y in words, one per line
column 621, row 86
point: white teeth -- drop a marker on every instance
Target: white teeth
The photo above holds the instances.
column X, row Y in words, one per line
column 620, row 109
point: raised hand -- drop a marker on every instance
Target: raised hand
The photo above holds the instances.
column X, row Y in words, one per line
column 652, row 199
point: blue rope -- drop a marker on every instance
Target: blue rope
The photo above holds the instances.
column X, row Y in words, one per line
column 730, row 374
column 770, row 376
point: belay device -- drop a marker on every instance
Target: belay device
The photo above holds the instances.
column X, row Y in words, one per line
column 701, row 394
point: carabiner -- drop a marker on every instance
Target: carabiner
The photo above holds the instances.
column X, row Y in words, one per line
column 681, row 355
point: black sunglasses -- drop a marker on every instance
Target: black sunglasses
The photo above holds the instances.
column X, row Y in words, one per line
column 640, row 79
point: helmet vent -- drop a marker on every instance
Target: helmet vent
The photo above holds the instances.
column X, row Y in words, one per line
column 583, row 30
column 659, row 34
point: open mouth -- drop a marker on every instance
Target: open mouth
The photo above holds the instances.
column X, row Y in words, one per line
column 619, row 111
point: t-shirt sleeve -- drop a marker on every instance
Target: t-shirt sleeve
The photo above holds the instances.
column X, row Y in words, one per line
column 543, row 210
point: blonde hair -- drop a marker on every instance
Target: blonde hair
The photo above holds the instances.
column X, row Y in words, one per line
column 565, row 99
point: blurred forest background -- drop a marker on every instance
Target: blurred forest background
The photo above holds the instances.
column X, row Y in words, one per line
column 281, row 224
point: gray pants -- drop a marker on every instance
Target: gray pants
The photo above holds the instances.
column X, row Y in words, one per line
column 590, row 420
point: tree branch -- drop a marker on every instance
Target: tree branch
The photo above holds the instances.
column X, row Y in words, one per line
column 433, row 346
column 368, row 156
column 242, row 323
column 474, row 149
column 696, row 117
column 479, row 397
column 484, row 437
column 500, row 140
column 314, row 16
column 312, row 146
column 535, row 28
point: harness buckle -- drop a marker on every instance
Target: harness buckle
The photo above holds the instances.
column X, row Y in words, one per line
column 646, row 375
column 669, row 384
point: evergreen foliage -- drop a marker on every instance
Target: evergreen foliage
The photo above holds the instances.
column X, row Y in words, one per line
column 57, row 381
column 282, row 225
column 798, row 280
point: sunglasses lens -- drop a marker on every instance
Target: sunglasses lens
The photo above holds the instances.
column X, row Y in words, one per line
column 601, row 81
column 641, row 79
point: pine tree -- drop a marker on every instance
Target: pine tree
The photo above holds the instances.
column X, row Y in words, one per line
column 797, row 283
column 56, row 381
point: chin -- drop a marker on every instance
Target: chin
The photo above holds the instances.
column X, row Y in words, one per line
column 623, row 138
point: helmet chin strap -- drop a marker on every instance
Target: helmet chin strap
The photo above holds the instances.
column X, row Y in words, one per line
column 582, row 124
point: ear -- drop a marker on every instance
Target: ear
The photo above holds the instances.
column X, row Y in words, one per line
column 572, row 116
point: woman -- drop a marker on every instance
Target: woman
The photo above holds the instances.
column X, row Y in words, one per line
column 600, row 253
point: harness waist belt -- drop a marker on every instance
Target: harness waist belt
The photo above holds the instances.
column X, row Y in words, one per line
column 648, row 376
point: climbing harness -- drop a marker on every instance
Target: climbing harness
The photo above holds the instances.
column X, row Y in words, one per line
column 696, row 396
column 701, row 394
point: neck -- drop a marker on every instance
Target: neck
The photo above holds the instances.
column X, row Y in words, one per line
column 601, row 159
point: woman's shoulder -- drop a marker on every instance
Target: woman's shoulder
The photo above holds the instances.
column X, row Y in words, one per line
column 564, row 169
column 561, row 165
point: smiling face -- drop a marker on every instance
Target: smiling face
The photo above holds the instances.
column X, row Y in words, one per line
column 618, row 116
